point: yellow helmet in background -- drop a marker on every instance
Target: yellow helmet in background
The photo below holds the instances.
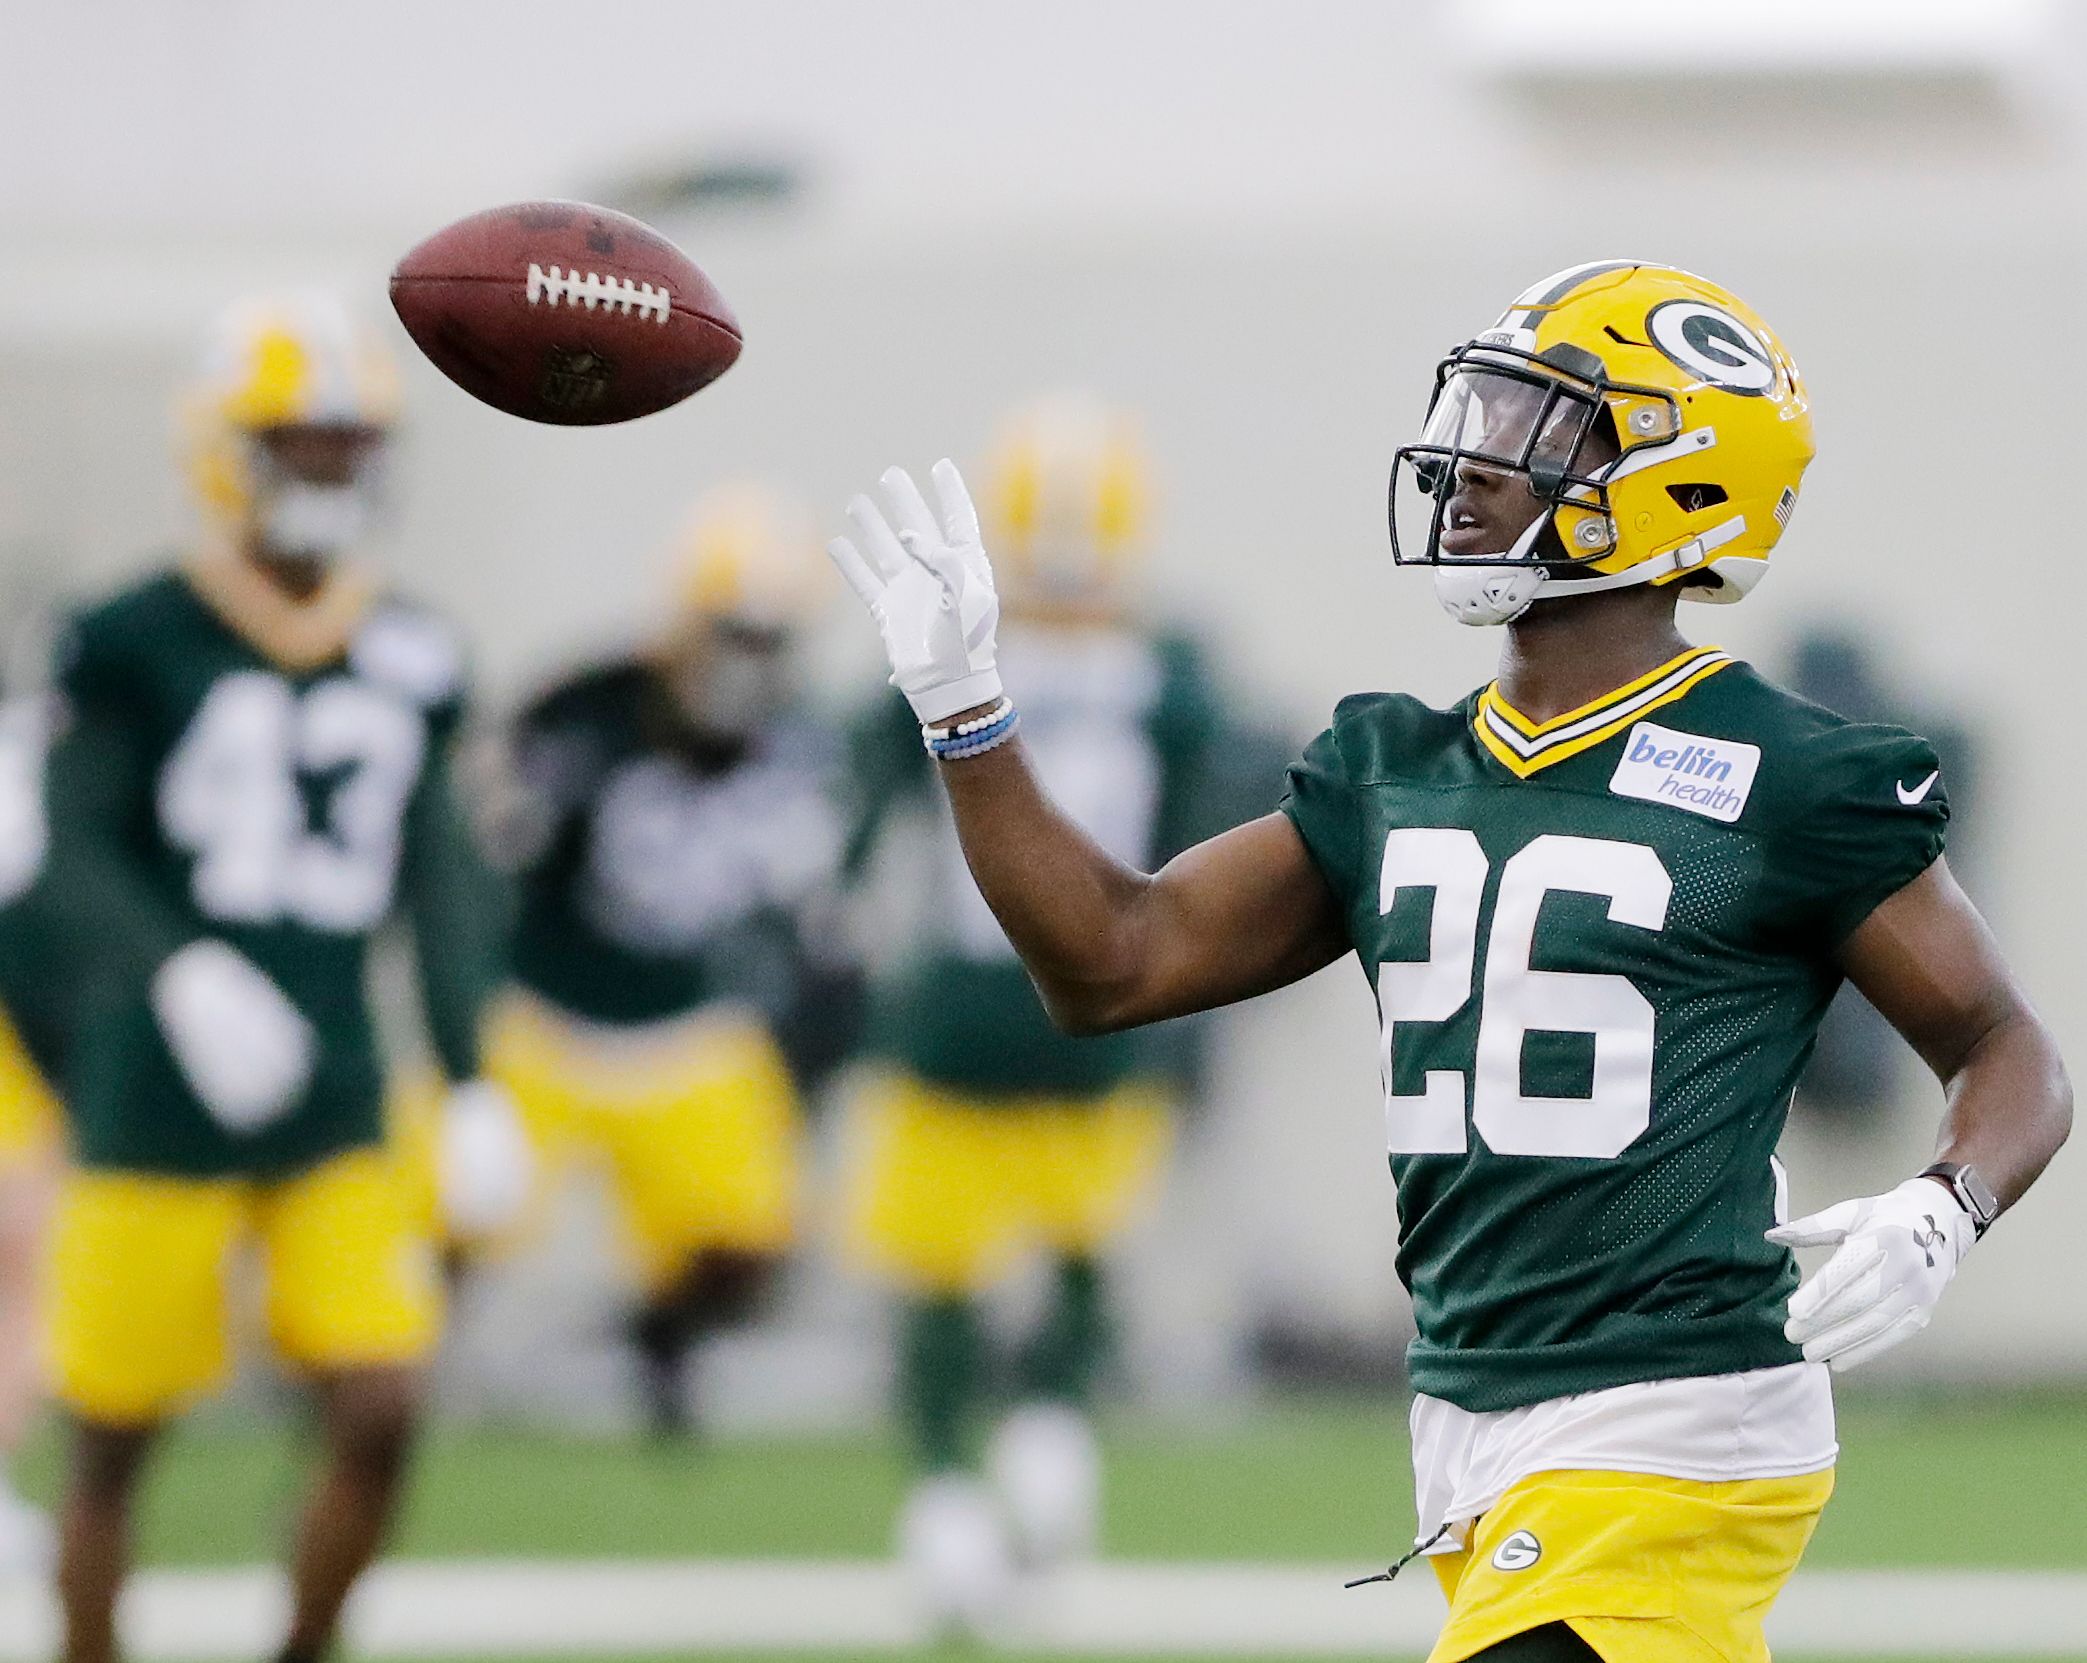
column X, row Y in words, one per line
column 749, row 555
column 749, row 576
column 1066, row 498
column 1655, row 412
column 279, row 361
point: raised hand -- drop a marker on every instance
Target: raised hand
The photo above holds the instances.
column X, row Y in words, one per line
column 924, row 575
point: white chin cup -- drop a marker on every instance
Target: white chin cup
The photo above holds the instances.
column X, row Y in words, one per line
column 314, row 520
column 1486, row 593
column 1482, row 595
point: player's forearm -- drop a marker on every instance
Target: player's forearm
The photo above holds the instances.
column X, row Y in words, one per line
column 1071, row 909
column 2010, row 1103
column 1110, row 947
column 1927, row 961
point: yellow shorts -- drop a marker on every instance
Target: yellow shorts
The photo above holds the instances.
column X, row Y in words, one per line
column 695, row 1123
column 30, row 1123
column 943, row 1192
column 139, row 1302
column 1644, row 1569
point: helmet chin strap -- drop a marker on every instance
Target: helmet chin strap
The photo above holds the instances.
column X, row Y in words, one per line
column 1482, row 596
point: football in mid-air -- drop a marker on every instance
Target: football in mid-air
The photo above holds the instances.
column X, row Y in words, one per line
column 561, row 312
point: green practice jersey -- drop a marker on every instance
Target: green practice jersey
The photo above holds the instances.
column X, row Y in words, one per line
column 652, row 861
column 1601, row 947
column 197, row 789
column 1121, row 727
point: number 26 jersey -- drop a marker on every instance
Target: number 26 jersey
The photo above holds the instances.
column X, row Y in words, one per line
column 1601, row 947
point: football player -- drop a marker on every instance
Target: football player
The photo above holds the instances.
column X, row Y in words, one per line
column 1603, row 903
column 993, row 1137
column 252, row 777
column 30, row 1138
column 668, row 815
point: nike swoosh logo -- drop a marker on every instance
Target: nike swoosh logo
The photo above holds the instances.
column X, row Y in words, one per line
column 1918, row 793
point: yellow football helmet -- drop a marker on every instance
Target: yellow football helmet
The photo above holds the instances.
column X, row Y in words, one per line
column 749, row 574
column 1657, row 417
column 1065, row 504
column 274, row 362
column 748, row 555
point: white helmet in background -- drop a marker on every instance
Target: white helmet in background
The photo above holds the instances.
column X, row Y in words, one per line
column 750, row 574
column 1066, row 497
column 278, row 370
column 749, row 554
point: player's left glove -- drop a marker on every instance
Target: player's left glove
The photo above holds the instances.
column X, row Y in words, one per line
column 1897, row 1252
column 246, row 1051
column 488, row 1167
column 930, row 588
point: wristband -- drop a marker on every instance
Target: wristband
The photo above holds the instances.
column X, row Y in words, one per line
column 973, row 738
column 929, row 733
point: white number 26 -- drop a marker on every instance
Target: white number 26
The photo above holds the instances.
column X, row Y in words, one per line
column 1516, row 998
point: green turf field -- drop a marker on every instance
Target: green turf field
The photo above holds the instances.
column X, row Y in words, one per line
column 1323, row 1483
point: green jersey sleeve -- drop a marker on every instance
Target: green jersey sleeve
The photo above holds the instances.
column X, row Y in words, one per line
column 99, row 789
column 456, row 905
column 1871, row 820
column 1322, row 802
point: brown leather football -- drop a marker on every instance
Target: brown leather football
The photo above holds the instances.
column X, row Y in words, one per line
column 562, row 312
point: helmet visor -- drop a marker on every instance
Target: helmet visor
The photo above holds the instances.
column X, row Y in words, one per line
column 1505, row 443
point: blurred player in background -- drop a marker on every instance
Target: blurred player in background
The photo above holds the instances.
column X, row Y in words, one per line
column 31, row 1025
column 668, row 816
column 993, row 1136
column 251, row 777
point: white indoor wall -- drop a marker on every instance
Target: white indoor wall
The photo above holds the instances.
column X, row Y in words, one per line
column 1257, row 225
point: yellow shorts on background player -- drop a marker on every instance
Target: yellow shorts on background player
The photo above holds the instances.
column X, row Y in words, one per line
column 693, row 1125
column 31, row 1122
column 945, row 1192
column 145, row 1276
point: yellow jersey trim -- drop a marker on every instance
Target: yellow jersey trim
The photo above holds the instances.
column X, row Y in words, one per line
column 1522, row 746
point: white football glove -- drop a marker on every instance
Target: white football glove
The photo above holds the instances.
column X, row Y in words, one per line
column 245, row 1050
column 1897, row 1252
column 930, row 588
column 488, row 1166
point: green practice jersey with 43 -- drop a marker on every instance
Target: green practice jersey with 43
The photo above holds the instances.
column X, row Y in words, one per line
column 198, row 789
column 1601, row 947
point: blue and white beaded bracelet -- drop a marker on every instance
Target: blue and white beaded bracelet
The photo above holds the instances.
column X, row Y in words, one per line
column 975, row 737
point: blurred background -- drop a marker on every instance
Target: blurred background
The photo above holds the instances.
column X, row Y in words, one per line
column 1254, row 228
